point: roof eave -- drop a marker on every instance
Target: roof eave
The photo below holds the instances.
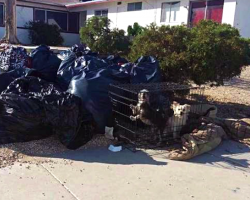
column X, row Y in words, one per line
column 75, row 5
column 43, row 3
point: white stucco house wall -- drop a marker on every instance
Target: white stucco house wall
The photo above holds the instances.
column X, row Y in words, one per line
column 70, row 15
column 123, row 13
column 53, row 11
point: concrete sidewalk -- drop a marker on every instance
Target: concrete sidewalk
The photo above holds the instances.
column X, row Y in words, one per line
column 100, row 174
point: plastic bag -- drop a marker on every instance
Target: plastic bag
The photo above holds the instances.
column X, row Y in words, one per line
column 7, row 77
column 33, row 109
column 45, row 62
column 13, row 58
column 73, row 66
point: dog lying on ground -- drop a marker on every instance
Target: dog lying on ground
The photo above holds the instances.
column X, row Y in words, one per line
column 205, row 110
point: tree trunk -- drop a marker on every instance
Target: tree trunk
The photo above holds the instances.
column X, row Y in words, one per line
column 10, row 23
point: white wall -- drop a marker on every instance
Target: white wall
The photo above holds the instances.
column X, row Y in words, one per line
column 151, row 12
column 24, row 15
column 242, row 17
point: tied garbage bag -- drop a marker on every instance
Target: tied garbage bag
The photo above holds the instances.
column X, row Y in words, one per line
column 33, row 109
column 145, row 70
column 116, row 59
column 79, row 50
column 13, row 58
column 92, row 88
column 45, row 62
column 74, row 66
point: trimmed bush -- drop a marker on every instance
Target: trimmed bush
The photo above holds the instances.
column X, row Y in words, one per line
column 168, row 45
column 216, row 52
column 42, row 33
column 98, row 36
column 209, row 52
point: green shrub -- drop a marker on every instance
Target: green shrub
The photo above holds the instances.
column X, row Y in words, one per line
column 210, row 52
column 100, row 38
column 135, row 30
column 168, row 45
column 216, row 52
column 42, row 33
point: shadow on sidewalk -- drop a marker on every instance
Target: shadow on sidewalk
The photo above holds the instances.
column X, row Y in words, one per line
column 230, row 152
column 103, row 155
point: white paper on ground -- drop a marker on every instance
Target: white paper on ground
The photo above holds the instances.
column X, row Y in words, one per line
column 109, row 133
column 115, row 149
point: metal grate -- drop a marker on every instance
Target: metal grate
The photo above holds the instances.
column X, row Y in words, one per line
column 163, row 98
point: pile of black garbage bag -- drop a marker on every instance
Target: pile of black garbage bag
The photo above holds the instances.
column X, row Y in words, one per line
column 43, row 95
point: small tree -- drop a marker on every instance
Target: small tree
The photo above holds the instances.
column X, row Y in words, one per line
column 100, row 38
column 10, row 23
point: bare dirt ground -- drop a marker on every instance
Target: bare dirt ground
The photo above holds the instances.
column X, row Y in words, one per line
column 232, row 100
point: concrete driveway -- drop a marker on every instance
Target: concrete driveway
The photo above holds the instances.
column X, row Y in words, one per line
column 100, row 174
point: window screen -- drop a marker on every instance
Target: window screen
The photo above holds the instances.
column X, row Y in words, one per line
column 103, row 13
column 170, row 12
column 134, row 6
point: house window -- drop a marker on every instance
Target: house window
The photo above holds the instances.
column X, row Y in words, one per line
column 134, row 6
column 1, row 15
column 73, row 22
column 170, row 12
column 58, row 18
column 83, row 18
column 40, row 15
column 65, row 21
column 101, row 13
column 212, row 10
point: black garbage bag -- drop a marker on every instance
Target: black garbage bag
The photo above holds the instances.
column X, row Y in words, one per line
column 79, row 50
column 7, row 77
column 116, row 59
column 45, row 62
column 13, row 58
column 92, row 88
column 146, row 70
column 92, row 85
column 73, row 66
column 32, row 108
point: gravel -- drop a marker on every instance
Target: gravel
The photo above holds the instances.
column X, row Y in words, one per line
column 232, row 100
